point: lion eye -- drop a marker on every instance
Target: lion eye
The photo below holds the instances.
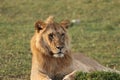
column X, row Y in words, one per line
column 62, row 34
column 51, row 35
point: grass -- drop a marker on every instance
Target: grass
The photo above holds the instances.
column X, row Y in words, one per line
column 97, row 35
column 97, row 76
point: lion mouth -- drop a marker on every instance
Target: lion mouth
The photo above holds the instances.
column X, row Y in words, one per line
column 59, row 54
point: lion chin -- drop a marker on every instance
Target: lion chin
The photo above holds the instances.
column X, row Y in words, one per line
column 58, row 55
column 61, row 65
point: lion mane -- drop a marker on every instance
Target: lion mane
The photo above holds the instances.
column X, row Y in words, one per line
column 51, row 55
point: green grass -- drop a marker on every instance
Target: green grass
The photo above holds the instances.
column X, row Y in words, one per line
column 97, row 76
column 97, row 35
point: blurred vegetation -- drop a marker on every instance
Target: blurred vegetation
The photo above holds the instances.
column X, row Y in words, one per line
column 97, row 35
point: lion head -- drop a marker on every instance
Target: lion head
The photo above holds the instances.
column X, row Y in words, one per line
column 51, row 37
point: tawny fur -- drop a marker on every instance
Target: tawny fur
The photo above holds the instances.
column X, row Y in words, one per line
column 45, row 66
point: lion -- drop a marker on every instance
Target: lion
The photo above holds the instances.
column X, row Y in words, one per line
column 52, row 58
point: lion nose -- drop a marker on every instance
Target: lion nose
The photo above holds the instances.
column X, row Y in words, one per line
column 60, row 47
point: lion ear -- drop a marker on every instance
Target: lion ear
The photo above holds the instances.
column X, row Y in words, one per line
column 65, row 23
column 39, row 25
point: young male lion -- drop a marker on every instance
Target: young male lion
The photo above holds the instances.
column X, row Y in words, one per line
column 51, row 55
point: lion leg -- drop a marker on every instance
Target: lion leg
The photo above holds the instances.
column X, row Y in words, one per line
column 39, row 76
column 70, row 76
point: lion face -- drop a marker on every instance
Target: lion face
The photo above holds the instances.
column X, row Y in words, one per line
column 52, row 38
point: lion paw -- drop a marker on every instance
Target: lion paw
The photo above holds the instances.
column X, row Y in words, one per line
column 46, row 79
column 69, row 77
column 66, row 78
